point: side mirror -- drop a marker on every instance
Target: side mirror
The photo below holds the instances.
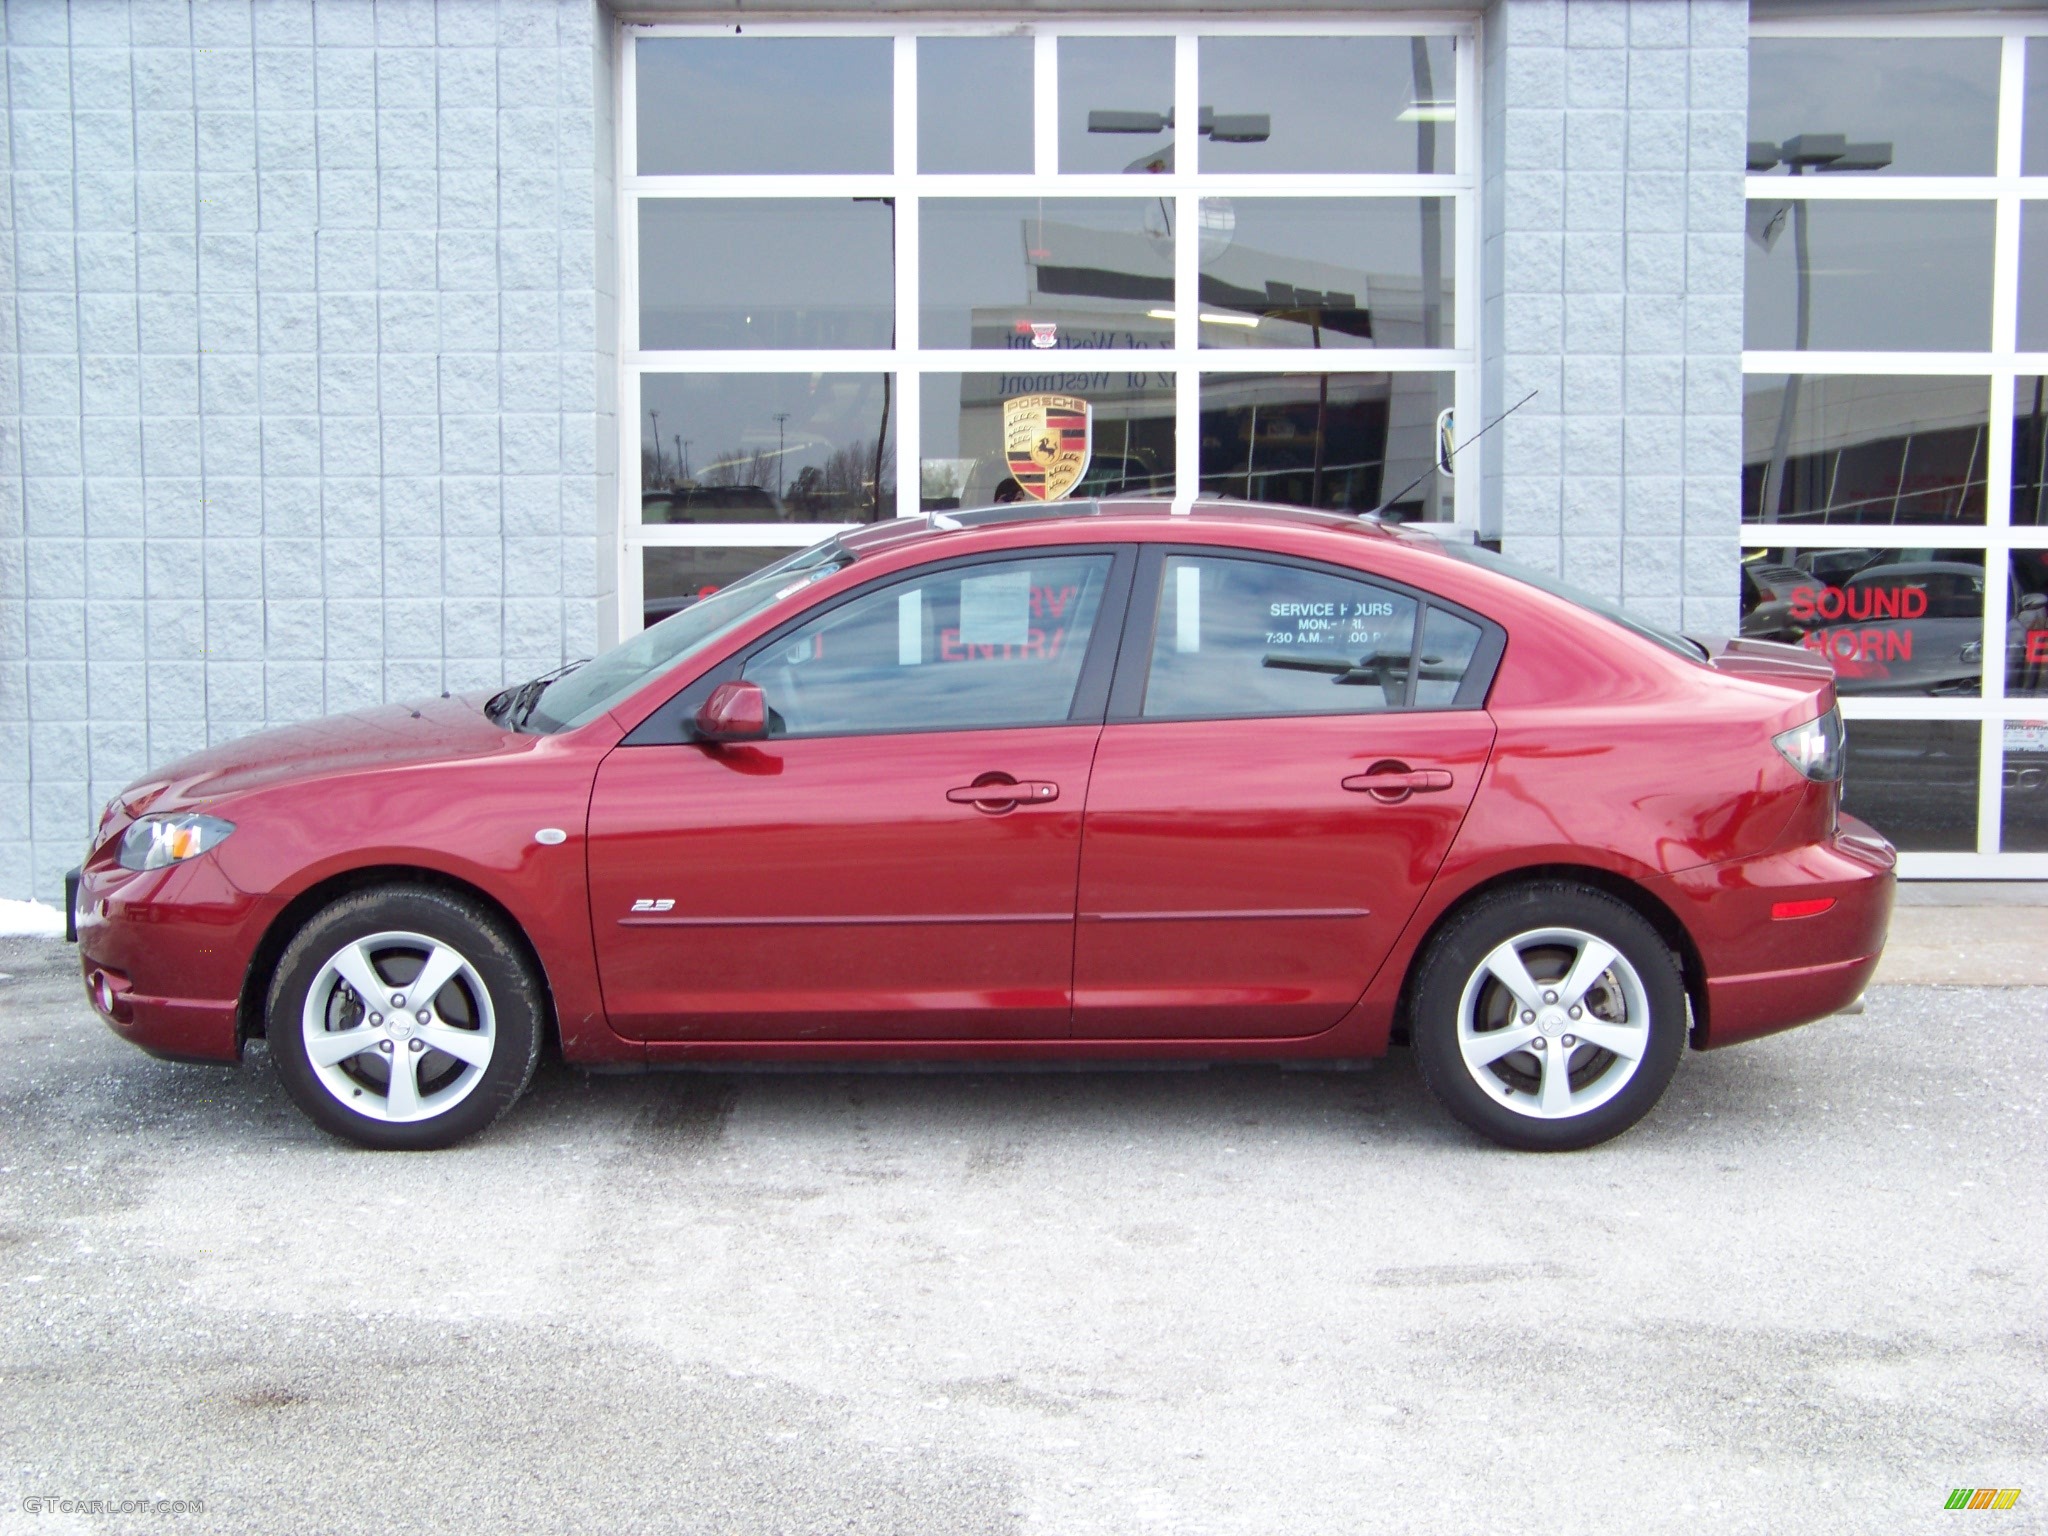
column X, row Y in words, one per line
column 736, row 711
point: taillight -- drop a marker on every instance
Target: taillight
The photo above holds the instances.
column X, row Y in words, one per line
column 1816, row 748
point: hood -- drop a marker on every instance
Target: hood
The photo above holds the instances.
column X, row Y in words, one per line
column 385, row 736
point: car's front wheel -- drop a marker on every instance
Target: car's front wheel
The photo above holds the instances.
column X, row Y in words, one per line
column 404, row 1018
column 1549, row 1017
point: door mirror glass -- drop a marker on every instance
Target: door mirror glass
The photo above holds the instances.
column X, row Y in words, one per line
column 736, row 711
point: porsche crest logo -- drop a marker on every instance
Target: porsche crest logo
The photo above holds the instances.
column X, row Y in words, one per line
column 1047, row 440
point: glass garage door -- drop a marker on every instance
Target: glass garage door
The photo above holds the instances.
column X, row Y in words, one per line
column 1895, row 395
column 873, row 273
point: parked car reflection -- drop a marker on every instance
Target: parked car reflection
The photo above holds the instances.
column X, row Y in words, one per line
column 1904, row 622
column 709, row 504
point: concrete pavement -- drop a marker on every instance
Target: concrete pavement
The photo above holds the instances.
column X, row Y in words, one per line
column 1968, row 933
column 1807, row 1294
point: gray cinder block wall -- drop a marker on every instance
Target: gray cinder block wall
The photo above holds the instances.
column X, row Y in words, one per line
column 1612, row 271
column 308, row 384
column 307, row 374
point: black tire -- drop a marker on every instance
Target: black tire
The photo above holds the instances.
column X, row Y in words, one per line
column 1458, row 957
column 496, row 996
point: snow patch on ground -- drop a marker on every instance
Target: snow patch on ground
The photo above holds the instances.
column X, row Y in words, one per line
column 29, row 919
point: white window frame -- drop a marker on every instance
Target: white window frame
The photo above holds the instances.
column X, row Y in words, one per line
column 1185, row 359
column 2003, row 363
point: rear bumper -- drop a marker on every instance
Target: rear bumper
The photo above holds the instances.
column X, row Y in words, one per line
column 1766, row 973
column 163, row 953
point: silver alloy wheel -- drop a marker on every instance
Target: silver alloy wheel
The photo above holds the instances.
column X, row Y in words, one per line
column 398, row 1026
column 1553, row 1023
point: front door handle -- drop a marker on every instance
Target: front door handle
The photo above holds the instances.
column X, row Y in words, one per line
column 1391, row 782
column 1004, row 794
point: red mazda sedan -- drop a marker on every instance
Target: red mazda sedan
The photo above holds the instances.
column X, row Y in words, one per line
column 1086, row 783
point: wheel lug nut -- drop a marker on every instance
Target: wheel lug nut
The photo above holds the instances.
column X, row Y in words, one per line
column 1539, row 1043
column 1576, row 1012
column 419, row 1045
column 376, row 1019
column 384, row 1046
column 1550, row 997
column 1528, row 1018
column 1568, row 1042
column 398, row 999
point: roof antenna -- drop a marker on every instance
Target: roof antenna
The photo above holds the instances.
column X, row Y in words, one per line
column 1442, row 460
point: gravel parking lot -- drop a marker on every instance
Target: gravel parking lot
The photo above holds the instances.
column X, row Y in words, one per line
column 1807, row 1295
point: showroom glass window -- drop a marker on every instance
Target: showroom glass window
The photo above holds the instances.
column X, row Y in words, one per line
column 878, row 270
column 1895, row 422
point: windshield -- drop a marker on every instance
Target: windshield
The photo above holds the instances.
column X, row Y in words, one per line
column 1492, row 560
column 579, row 697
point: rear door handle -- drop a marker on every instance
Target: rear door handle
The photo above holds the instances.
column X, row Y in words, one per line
column 1003, row 794
column 1394, row 782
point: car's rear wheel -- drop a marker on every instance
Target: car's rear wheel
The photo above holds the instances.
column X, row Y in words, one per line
column 1549, row 1017
column 404, row 1018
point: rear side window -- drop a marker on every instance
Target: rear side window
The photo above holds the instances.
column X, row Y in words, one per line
column 1448, row 644
column 966, row 648
column 1238, row 637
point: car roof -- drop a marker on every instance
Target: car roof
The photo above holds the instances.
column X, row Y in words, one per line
column 897, row 533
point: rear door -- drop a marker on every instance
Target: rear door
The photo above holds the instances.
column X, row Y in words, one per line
column 1290, row 750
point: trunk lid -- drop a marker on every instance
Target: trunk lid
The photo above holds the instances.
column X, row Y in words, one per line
column 1770, row 661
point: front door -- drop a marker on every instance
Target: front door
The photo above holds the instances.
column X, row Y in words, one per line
column 898, row 860
column 1274, row 801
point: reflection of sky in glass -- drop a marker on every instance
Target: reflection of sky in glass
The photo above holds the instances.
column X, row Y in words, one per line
column 1112, row 74
column 2034, row 275
column 1337, row 104
column 1370, row 249
column 1895, row 276
column 723, row 425
column 974, row 104
column 1935, row 100
column 980, row 254
column 2034, row 122
column 730, row 105
column 765, row 272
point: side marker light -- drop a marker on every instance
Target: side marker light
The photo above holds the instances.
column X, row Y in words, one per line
column 1780, row 910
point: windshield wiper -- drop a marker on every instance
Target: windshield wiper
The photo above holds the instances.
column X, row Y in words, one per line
column 519, row 703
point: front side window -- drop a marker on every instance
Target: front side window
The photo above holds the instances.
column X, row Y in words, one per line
column 1247, row 638
column 975, row 647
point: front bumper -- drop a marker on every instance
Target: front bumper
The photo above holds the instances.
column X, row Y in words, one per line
column 1766, row 973
column 163, row 953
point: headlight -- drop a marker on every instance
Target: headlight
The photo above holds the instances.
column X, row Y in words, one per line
column 1815, row 748
column 154, row 841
